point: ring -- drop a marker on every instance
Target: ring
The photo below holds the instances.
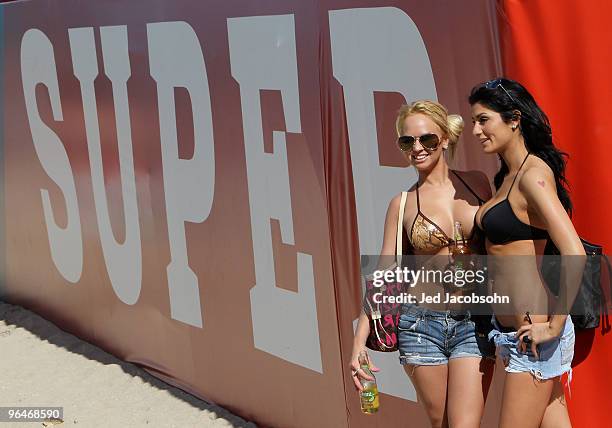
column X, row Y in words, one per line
column 354, row 372
column 526, row 340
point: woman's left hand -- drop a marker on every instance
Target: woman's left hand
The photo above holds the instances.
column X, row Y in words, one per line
column 536, row 333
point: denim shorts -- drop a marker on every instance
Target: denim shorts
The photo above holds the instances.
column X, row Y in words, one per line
column 428, row 338
column 555, row 356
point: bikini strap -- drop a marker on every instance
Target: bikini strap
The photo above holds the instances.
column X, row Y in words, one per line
column 480, row 200
column 417, row 195
column 517, row 173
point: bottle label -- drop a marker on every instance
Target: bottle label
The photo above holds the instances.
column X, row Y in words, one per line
column 368, row 396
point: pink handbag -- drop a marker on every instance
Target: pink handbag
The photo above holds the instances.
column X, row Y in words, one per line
column 384, row 317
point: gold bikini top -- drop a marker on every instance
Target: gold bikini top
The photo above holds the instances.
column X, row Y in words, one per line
column 427, row 236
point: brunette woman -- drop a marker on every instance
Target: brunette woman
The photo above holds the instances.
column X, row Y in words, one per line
column 530, row 207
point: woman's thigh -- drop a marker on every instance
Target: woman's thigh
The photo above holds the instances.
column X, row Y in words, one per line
column 469, row 379
column 524, row 400
column 430, row 384
column 556, row 415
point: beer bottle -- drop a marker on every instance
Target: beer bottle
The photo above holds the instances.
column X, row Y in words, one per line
column 369, row 395
column 460, row 248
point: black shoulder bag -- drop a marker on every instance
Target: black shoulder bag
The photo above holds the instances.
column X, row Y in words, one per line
column 590, row 300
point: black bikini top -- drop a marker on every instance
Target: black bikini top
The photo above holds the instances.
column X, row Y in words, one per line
column 427, row 236
column 500, row 225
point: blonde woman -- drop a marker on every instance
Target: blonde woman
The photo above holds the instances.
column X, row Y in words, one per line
column 444, row 352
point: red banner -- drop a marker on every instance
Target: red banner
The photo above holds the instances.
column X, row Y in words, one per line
column 556, row 51
column 164, row 194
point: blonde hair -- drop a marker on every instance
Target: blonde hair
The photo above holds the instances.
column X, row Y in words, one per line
column 450, row 124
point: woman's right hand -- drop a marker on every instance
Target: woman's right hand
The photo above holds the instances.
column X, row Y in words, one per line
column 358, row 373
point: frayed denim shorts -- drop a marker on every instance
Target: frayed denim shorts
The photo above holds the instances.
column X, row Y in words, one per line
column 428, row 338
column 555, row 356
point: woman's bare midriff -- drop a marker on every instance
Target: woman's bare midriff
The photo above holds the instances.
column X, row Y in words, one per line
column 514, row 270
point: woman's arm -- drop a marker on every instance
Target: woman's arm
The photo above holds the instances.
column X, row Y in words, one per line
column 363, row 326
column 538, row 187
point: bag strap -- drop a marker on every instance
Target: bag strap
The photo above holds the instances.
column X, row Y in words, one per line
column 400, row 229
column 604, row 303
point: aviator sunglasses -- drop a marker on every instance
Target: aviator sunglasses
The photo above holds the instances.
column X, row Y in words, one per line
column 428, row 141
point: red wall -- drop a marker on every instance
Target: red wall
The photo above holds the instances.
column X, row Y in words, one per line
column 560, row 53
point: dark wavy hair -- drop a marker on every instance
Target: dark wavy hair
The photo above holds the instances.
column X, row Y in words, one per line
column 505, row 96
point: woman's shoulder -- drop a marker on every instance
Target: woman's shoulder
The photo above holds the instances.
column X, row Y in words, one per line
column 394, row 203
column 536, row 175
column 536, row 168
column 535, row 163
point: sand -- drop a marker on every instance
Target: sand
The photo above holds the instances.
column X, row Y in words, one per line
column 41, row 365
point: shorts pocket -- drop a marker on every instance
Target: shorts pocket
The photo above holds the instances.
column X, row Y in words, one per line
column 408, row 322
